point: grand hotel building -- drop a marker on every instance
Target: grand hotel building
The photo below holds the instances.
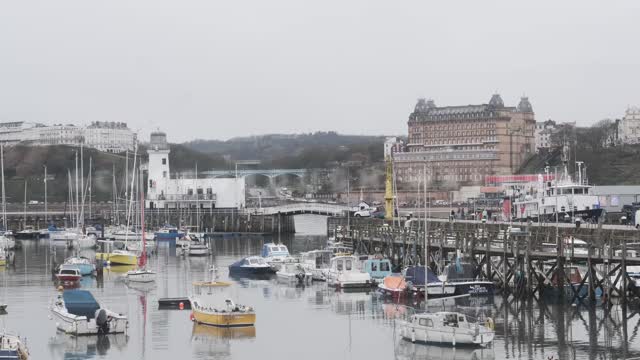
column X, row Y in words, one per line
column 463, row 144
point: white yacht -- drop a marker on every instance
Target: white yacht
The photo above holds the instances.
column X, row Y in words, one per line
column 561, row 198
column 344, row 273
column 77, row 312
column 318, row 263
column 446, row 328
column 294, row 272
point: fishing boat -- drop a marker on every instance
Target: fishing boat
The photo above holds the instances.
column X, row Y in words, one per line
column 416, row 280
column 83, row 264
column 318, row 263
column 393, row 285
column 294, row 273
column 77, row 312
column 343, row 273
column 168, row 232
column 377, row 268
column 447, row 328
column 275, row 255
column 339, row 249
column 12, row 347
column 464, row 276
column 208, row 307
column 252, row 265
column 68, row 273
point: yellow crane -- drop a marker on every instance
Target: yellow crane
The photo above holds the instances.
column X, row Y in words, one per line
column 388, row 188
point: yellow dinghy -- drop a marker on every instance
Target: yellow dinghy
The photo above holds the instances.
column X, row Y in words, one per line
column 209, row 308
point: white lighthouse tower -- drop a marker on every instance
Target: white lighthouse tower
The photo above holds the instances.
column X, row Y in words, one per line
column 159, row 174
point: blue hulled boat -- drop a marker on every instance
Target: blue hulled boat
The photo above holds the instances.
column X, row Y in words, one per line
column 168, row 232
column 252, row 265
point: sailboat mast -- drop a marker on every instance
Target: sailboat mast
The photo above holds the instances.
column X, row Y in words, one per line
column 46, row 212
column 24, row 213
column 143, row 258
column 426, row 232
column 90, row 164
column 77, row 195
column 4, row 200
column 197, row 201
column 133, row 178
column 82, row 190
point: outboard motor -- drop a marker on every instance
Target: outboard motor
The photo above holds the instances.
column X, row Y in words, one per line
column 102, row 320
column 300, row 277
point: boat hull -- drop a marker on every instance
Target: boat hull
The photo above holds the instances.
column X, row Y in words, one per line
column 68, row 278
column 79, row 325
column 85, row 269
column 118, row 259
column 445, row 336
column 197, row 251
column 245, row 270
column 225, row 319
column 141, row 276
column 474, row 288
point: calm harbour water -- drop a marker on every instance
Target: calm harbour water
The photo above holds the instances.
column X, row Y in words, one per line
column 314, row 322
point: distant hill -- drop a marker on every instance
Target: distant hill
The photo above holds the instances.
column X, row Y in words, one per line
column 605, row 166
column 26, row 163
column 314, row 150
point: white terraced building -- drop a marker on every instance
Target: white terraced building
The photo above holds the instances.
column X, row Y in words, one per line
column 185, row 190
column 630, row 126
column 112, row 137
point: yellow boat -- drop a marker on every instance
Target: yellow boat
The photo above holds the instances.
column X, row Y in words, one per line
column 204, row 331
column 209, row 310
column 118, row 257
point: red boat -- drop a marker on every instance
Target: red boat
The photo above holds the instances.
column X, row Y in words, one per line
column 68, row 274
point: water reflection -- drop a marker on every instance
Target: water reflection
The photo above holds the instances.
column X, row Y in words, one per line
column 211, row 341
column 407, row 350
column 63, row 346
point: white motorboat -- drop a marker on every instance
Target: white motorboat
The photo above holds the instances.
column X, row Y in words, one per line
column 64, row 235
column 84, row 265
column 140, row 276
column 85, row 242
column 446, row 328
column 77, row 312
column 318, row 263
column 275, row 255
column 294, row 272
column 197, row 248
column 12, row 347
column 344, row 273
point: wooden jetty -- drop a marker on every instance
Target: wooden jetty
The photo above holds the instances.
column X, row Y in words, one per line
column 523, row 259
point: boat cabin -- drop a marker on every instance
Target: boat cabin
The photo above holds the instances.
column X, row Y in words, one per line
column 253, row 260
column 377, row 268
column 440, row 319
column 319, row 259
column 344, row 263
column 274, row 250
column 572, row 272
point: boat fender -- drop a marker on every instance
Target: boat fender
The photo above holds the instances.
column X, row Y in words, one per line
column 191, row 317
column 489, row 323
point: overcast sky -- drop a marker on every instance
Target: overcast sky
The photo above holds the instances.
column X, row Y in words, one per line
column 219, row 69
